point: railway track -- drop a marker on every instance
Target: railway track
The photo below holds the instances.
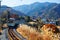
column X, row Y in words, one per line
column 12, row 35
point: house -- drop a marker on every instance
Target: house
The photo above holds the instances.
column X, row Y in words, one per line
column 15, row 16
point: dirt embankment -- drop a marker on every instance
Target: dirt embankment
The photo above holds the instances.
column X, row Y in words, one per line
column 47, row 32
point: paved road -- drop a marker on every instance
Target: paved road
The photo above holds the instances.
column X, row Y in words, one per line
column 4, row 35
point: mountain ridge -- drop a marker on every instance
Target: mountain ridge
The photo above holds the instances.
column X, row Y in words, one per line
column 12, row 11
column 43, row 10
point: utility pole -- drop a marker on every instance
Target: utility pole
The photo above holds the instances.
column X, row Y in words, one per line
column 0, row 10
column 0, row 3
column 8, row 14
column 0, row 19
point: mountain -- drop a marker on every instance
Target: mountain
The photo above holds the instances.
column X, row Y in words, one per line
column 44, row 10
column 12, row 11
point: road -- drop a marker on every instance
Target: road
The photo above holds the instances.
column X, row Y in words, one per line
column 4, row 35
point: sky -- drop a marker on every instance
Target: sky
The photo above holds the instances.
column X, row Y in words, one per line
column 13, row 3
